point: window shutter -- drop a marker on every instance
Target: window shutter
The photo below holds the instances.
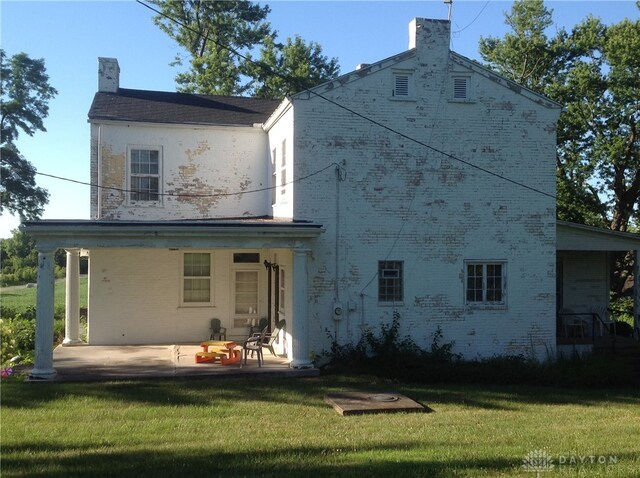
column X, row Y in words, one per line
column 402, row 85
column 460, row 88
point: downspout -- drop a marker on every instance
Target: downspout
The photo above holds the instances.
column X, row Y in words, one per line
column 267, row 266
column 337, row 238
column 337, row 304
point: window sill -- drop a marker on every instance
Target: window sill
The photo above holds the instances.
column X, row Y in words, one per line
column 462, row 101
column 486, row 306
column 149, row 204
column 391, row 304
column 410, row 99
column 199, row 305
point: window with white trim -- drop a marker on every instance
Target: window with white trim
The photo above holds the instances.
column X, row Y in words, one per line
column 390, row 281
column 246, row 286
column 144, row 174
column 283, row 167
column 274, row 175
column 196, row 278
column 485, row 283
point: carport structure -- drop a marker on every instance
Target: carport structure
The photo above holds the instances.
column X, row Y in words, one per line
column 127, row 241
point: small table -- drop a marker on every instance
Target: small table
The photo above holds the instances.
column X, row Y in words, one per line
column 223, row 350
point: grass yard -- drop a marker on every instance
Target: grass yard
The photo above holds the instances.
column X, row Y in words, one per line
column 282, row 428
column 20, row 298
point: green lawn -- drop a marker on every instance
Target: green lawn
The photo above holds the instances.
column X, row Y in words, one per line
column 21, row 298
column 282, row 428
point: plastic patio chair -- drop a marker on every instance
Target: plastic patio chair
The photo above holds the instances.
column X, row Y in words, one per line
column 253, row 344
column 217, row 330
column 269, row 339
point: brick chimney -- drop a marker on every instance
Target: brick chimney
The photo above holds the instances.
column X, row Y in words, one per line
column 108, row 75
column 432, row 37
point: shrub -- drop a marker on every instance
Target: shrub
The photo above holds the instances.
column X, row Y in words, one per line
column 18, row 338
column 386, row 355
column 622, row 308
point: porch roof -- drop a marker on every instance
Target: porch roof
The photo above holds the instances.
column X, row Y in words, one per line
column 254, row 233
column 578, row 237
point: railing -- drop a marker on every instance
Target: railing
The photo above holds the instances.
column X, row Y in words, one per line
column 574, row 325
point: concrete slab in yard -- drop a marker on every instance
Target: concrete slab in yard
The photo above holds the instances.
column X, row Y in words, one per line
column 359, row 403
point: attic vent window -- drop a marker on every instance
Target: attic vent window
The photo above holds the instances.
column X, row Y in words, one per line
column 461, row 89
column 402, row 85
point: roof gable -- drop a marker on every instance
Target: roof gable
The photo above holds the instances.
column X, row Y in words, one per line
column 501, row 80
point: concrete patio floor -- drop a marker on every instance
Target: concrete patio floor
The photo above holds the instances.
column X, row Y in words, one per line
column 101, row 362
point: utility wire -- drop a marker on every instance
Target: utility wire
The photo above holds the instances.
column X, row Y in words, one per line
column 236, row 193
column 474, row 20
column 353, row 112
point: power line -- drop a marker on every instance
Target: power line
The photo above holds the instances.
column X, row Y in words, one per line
column 474, row 20
column 235, row 193
column 353, row 112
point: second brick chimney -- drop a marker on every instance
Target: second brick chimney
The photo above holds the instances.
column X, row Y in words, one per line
column 108, row 75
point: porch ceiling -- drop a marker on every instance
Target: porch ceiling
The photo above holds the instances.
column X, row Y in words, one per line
column 578, row 237
column 252, row 233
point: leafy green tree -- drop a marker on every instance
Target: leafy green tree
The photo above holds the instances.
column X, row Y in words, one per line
column 595, row 72
column 210, row 32
column 283, row 70
column 19, row 259
column 18, row 251
column 219, row 38
column 25, row 104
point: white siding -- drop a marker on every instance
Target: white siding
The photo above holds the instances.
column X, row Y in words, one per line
column 135, row 297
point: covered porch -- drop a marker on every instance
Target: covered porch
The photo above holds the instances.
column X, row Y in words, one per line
column 127, row 362
column 161, row 282
column 583, row 270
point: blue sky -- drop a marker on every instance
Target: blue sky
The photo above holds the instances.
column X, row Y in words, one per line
column 71, row 35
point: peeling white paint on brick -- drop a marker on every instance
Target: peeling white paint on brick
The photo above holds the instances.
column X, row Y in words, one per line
column 393, row 200
column 200, row 168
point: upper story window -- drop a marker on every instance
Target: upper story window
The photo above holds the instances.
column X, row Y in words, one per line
column 144, row 174
column 283, row 167
column 485, row 283
column 403, row 85
column 390, row 281
column 274, row 175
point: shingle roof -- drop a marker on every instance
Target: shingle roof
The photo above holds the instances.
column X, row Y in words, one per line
column 179, row 108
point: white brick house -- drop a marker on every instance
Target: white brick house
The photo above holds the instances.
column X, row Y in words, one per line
column 422, row 184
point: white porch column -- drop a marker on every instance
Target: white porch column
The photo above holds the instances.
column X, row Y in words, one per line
column 43, row 368
column 72, row 299
column 300, row 319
